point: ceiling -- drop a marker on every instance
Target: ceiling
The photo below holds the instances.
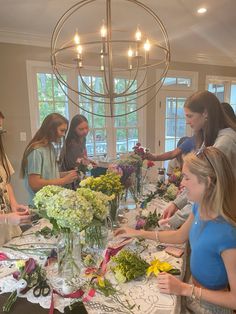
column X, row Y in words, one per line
column 208, row 38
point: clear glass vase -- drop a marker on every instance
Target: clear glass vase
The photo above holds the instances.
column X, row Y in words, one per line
column 96, row 235
column 114, row 206
column 69, row 254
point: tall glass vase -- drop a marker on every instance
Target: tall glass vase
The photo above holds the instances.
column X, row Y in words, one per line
column 69, row 254
column 114, row 206
column 96, row 235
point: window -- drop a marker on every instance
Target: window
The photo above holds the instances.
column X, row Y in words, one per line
column 175, row 125
column 107, row 136
column 178, row 81
column 224, row 88
column 50, row 96
column 124, row 129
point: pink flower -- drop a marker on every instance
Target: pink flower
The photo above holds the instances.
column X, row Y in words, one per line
column 30, row 266
column 150, row 164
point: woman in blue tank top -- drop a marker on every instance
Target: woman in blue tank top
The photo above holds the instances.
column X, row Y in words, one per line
column 211, row 229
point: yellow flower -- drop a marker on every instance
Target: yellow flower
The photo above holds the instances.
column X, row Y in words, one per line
column 20, row 264
column 157, row 266
column 101, row 282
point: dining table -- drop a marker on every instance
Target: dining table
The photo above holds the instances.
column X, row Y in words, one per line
column 137, row 296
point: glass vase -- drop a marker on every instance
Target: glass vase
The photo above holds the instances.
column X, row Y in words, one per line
column 96, row 236
column 114, row 206
column 69, row 254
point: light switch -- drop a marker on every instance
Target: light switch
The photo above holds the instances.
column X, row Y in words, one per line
column 23, row 136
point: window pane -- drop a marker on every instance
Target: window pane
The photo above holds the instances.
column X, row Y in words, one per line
column 44, row 83
column 121, row 140
column 180, row 107
column 89, row 116
column 132, row 138
column 170, row 81
column 100, row 142
column 170, row 127
column 89, row 143
column 132, row 119
column 180, row 128
column 184, row 81
column 99, row 122
column 170, row 107
column 45, row 108
column 61, row 108
column 233, row 95
column 169, row 144
column 218, row 90
column 59, row 95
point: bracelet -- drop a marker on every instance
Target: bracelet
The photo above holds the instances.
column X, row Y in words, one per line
column 196, row 294
column 6, row 219
column 192, row 290
column 157, row 236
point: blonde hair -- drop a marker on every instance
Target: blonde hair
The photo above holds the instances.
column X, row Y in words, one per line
column 212, row 167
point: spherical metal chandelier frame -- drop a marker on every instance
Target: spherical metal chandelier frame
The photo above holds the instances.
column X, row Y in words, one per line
column 136, row 70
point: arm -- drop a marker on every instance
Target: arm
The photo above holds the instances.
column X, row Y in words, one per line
column 171, row 285
column 14, row 205
column 172, row 236
column 165, row 156
column 36, row 182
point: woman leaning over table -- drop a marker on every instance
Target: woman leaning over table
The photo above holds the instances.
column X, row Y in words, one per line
column 211, row 127
column 39, row 163
column 211, row 230
column 11, row 213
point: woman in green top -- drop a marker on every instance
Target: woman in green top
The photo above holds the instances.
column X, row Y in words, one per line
column 39, row 163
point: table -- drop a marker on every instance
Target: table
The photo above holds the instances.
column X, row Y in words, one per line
column 142, row 293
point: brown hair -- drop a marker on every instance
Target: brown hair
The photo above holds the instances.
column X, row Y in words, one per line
column 204, row 101
column 219, row 197
column 46, row 134
column 2, row 115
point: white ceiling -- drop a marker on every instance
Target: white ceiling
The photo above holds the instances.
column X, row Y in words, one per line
column 210, row 38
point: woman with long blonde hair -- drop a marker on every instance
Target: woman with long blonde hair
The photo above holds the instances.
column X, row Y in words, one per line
column 211, row 229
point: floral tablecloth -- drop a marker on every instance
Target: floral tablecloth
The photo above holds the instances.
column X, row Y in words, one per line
column 143, row 293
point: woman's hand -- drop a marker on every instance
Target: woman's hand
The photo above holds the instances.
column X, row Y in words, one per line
column 169, row 284
column 150, row 156
column 127, row 232
column 169, row 211
column 71, row 176
column 19, row 208
column 17, row 218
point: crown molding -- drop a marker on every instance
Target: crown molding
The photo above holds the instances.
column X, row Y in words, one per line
column 13, row 37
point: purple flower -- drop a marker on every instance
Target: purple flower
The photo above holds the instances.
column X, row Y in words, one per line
column 30, row 266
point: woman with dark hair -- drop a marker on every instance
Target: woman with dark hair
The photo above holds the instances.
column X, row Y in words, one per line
column 39, row 164
column 212, row 127
column 75, row 143
column 228, row 109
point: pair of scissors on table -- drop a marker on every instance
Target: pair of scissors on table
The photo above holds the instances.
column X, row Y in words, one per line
column 42, row 288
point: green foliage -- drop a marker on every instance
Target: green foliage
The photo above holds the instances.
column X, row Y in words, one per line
column 129, row 265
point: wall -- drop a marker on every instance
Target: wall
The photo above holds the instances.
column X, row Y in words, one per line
column 14, row 101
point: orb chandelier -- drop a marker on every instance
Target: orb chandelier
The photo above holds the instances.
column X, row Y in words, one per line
column 112, row 39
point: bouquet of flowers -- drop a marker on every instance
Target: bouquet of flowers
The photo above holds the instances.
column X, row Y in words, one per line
column 140, row 150
column 27, row 276
column 108, row 184
column 71, row 210
column 147, row 220
column 176, row 177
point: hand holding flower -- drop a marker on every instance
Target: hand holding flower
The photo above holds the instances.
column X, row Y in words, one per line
column 169, row 284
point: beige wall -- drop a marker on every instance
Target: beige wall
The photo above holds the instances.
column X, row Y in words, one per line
column 15, row 104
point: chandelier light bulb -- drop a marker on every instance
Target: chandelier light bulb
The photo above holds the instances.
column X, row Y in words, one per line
column 76, row 38
column 138, row 35
column 147, row 45
column 103, row 31
column 79, row 49
column 130, row 53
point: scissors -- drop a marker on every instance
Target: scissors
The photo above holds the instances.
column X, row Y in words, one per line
column 42, row 288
